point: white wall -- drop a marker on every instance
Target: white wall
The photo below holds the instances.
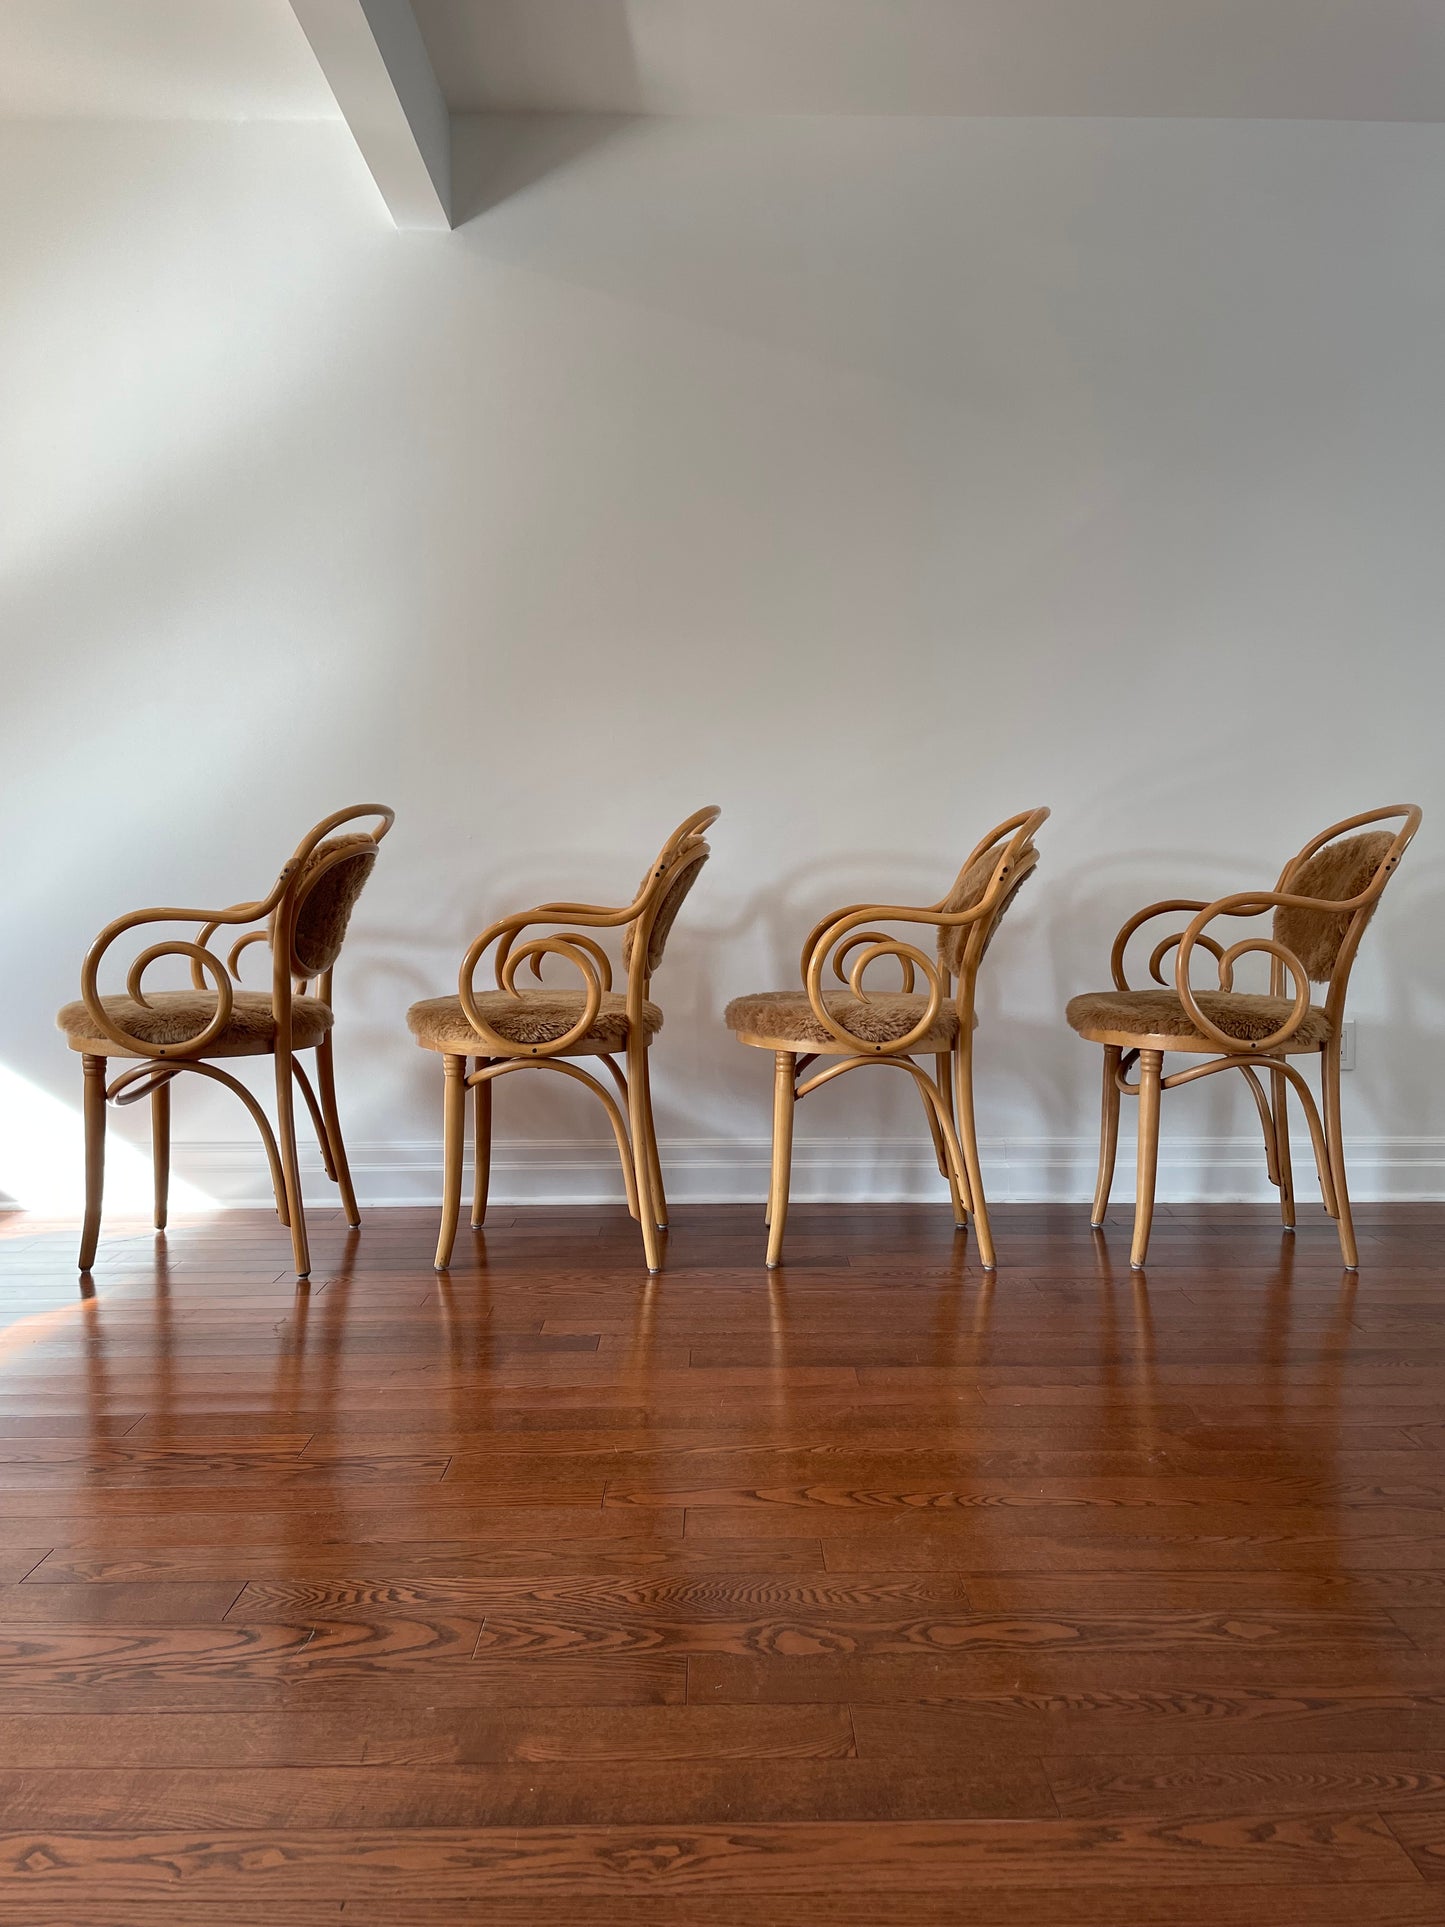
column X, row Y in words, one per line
column 873, row 479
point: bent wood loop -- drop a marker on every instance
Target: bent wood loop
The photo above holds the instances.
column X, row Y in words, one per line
column 678, row 860
column 281, row 904
column 998, row 866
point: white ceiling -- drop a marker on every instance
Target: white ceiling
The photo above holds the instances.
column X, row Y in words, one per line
column 242, row 59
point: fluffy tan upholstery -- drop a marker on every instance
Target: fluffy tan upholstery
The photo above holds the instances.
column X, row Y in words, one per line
column 533, row 1017
column 1159, row 1013
column 326, row 905
column 175, row 1016
column 1337, row 872
column 787, row 1015
column 966, row 892
column 666, row 917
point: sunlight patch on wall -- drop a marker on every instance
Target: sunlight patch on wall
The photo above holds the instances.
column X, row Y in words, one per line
column 42, row 1159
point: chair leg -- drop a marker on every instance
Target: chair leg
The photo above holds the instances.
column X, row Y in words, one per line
column 1108, row 1133
column 161, row 1150
column 482, row 1147
column 1151, row 1067
column 454, row 1127
column 290, row 1163
column 1335, row 1144
column 654, row 1161
column 637, row 1131
column 968, row 1137
column 94, row 1069
column 1279, row 1109
column 784, row 1102
column 943, row 1077
column 331, row 1117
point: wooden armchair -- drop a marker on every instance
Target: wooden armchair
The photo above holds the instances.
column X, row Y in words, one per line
column 506, row 1029
column 862, row 1026
column 1322, row 902
column 305, row 917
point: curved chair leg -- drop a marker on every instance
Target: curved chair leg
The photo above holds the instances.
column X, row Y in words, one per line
column 161, row 1149
column 654, row 1161
column 1335, row 1142
column 637, row 1131
column 482, row 1147
column 943, row 1077
column 784, row 1102
column 1108, row 1133
column 290, row 1164
column 1151, row 1066
column 968, row 1136
column 1279, row 1106
column 454, row 1125
column 331, row 1117
column 94, row 1105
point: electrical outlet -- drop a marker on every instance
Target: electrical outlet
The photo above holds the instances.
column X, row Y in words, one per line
column 1347, row 1045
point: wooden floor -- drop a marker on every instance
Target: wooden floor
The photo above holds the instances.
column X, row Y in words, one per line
column 871, row 1590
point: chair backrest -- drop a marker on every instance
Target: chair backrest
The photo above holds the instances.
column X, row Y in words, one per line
column 1351, row 870
column 1008, row 854
column 308, row 925
column 663, row 891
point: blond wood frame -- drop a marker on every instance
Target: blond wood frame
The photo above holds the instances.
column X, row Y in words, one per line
column 281, row 909
column 1288, row 976
column 947, row 1092
column 497, row 1056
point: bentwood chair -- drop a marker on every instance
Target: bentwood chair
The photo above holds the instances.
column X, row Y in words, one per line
column 503, row 1030
column 171, row 1031
column 859, row 1026
column 1322, row 902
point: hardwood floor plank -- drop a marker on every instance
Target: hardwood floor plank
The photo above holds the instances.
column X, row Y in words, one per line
column 567, row 1794
column 742, row 1862
column 1104, row 1787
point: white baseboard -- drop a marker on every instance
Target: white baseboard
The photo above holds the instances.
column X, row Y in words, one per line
column 825, row 1170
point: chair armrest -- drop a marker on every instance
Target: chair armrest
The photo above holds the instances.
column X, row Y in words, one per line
column 204, row 962
column 1121, row 943
column 831, row 944
column 584, row 953
column 1249, row 903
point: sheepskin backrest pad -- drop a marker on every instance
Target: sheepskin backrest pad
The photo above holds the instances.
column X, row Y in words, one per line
column 970, row 887
column 672, row 902
column 1337, row 872
column 326, row 905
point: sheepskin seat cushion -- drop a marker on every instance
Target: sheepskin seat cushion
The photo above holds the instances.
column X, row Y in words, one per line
column 1159, row 1013
column 176, row 1016
column 1336, row 873
column 787, row 1021
column 531, row 1017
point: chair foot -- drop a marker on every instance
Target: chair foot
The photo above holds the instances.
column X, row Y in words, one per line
column 990, row 1267
column 1352, row 1267
column 1134, row 1267
column 960, row 1224
column 437, row 1267
column 1288, row 1229
column 1096, row 1224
